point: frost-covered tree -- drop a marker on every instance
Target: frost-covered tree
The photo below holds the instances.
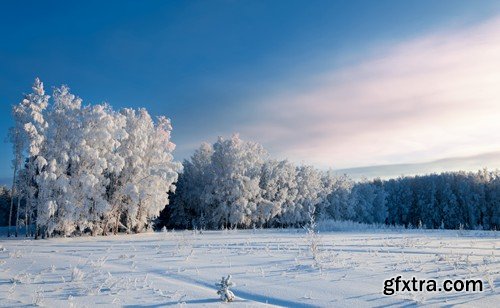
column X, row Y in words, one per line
column 149, row 173
column 99, row 161
column 233, row 191
column 469, row 196
column 189, row 208
column 368, row 202
column 450, row 207
column 309, row 195
column 90, row 168
column 56, row 197
column 336, row 204
column 18, row 137
column 28, row 137
column 222, row 186
column 5, row 198
column 379, row 210
column 278, row 181
column 362, row 198
column 399, row 200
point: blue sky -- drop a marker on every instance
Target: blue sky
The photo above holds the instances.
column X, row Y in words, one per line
column 257, row 67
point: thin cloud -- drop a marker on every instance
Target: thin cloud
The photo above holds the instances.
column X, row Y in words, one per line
column 431, row 97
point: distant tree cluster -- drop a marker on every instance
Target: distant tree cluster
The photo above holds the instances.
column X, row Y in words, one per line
column 448, row 200
column 89, row 168
column 451, row 200
column 233, row 183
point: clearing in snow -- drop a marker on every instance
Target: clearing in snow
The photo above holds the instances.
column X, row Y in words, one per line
column 269, row 267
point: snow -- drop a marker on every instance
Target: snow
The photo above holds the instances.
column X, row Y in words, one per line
column 273, row 267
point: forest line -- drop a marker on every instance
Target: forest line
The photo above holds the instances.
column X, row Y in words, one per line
column 90, row 169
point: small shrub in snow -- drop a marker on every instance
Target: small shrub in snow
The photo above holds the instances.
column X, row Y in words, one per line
column 225, row 294
column 77, row 274
column 38, row 297
column 312, row 238
column 15, row 280
column 16, row 254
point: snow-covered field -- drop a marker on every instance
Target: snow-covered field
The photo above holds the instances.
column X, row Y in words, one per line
column 273, row 267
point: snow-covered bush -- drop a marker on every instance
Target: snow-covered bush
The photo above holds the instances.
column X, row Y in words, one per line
column 225, row 294
column 77, row 274
column 313, row 240
column 38, row 298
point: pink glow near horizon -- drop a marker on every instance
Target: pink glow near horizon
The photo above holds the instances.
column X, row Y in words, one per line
column 431, row 97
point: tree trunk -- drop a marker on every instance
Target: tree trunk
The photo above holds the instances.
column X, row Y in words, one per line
column 37, row 229
column 93, row 213
column 105, row 228
column 27, row 216
column 26, row 223
column 137, row 227
column 12, row 194
column 115, row 231
column 17, row 213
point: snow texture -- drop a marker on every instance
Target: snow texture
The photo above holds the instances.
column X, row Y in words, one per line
column 272, row 267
